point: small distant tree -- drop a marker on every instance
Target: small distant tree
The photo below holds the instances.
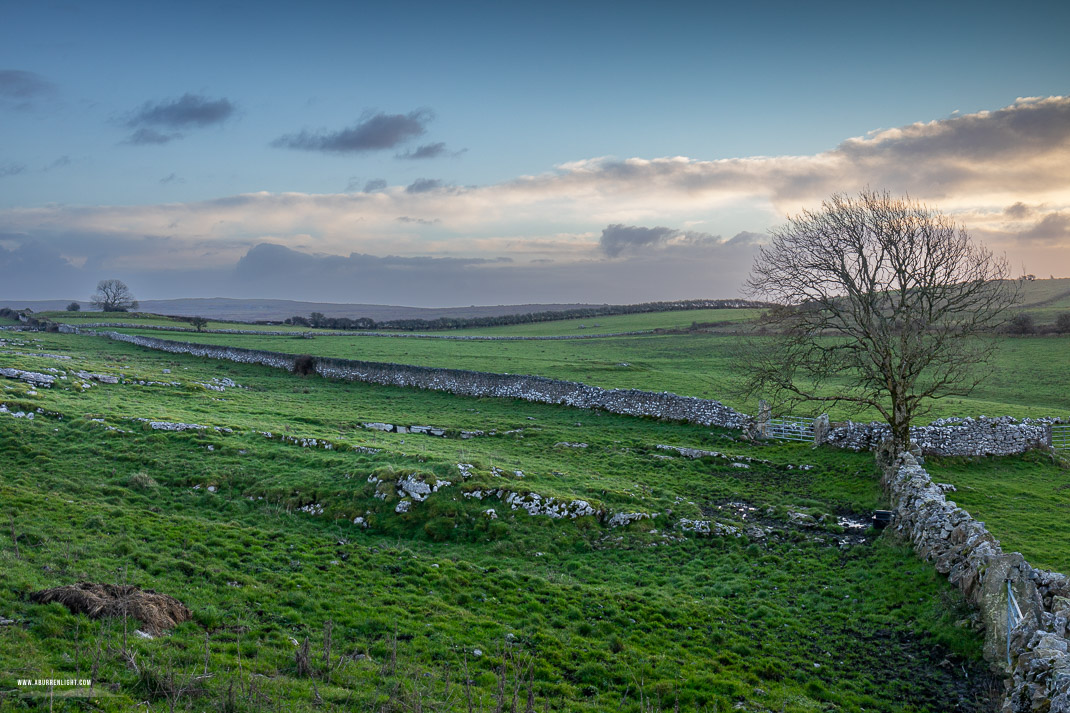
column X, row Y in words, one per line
column 317, row 319
column 114, row 296
column 1062, row 323
column 74, row 307
column 1022, row 323
column 882, row 303
column 198, row 323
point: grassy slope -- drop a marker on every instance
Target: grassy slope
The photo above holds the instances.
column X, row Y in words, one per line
column 603, row 614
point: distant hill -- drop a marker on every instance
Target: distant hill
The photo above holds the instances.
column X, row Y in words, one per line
column 223, row 308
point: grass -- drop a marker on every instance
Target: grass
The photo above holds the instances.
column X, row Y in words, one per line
column 1024, row 501
column 700, row 364
column 586, row 617
column 565, row 327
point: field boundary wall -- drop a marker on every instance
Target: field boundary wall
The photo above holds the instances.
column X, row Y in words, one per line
column 946, row 437
column 1034, row 651
column 537, row 389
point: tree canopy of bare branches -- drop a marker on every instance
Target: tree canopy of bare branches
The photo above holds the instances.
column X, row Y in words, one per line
column 882, row 303
column 114, row 296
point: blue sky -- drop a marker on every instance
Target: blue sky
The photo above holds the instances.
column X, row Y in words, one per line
column 163, row 143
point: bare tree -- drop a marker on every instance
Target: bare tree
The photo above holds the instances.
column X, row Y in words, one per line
column 882, row 303
column 198, row 323
column 113, row 296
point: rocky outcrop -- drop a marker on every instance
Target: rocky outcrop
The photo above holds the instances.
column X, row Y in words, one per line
column 33, row 378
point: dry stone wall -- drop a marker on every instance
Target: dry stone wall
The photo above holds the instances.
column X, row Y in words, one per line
column 947, row 437
column 953, row 436
column 963, row 549
column 631, row 402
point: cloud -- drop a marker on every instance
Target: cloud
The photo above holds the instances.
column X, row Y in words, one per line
column 172, row 178
column 1018, row 211
column 11, row 168
column 32, row 269
column 423, row 185
column 619, row 239
column 20, row 89
column 604, row 216
column 163, row 122
column 1052, row 229
column 372, row 133
column 188, row 111
column 61, row 162
column 148, row 137
column 426, row 151
column 434, row 281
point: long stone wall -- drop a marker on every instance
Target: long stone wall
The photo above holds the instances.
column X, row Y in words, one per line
column 632, row 402
column 963, row 549
column 945, row 437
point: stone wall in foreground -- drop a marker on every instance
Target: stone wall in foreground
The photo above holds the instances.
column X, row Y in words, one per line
column 963, row 549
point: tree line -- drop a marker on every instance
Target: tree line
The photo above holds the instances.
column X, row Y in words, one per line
column 318, row 320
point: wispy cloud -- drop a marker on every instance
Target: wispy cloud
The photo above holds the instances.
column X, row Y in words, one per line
column 423, row 185
column 163, row 122
column 374, row 132
column 20, row 89
column 11, row 168
column 435, row 150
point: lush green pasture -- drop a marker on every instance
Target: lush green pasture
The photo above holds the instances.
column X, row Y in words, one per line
column 1029, row 377
column 574, row 614
column 1024, row 501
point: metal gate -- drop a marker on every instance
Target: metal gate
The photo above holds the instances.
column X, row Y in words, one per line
column 1060, row 436
column 792, row 428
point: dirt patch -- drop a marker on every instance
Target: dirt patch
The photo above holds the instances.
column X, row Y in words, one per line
column 155, row 611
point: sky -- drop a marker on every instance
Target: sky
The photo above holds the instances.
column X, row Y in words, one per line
column 448, row 154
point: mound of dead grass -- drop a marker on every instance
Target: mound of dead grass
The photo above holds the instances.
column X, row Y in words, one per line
column 155, row 611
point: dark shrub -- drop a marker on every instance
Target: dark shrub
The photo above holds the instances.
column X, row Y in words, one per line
column 74, row 307
column 1062, row 323
column 305, row 365
column 1022, row 323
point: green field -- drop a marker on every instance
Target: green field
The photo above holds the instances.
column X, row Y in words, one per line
column 1029, row 377
column 1024, row 501
column 683, row 319
column 256, row 536
column 1045, row 300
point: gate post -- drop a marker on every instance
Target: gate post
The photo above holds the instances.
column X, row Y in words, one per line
column 821, row 429
column 765, row 414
